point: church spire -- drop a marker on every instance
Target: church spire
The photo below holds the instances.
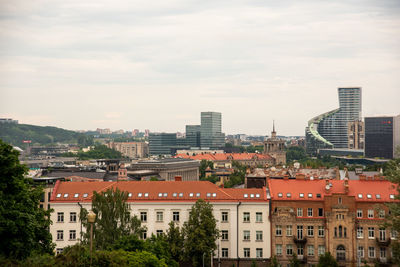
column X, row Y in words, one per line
column 273, row 134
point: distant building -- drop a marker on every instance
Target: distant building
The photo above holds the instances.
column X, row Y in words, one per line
column 275, row 147
column 382, row 136
column 211, row 135
column 7, row 120
column 131, row 149
column 146, row 133
column 103, row 131
column 355, row 131
column 329, row 130
column 161, row 143
column 193, row 135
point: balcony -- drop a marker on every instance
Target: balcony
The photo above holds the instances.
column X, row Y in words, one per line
column 383, row 242
column 302, row 240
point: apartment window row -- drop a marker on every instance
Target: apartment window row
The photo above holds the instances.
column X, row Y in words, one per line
column 300, row 250
column 371, row 233
column 371, row 213
column 246, row 216
column 310, row 230
column 60, row 235
column 246, row 235
column 72, row 217
column 160, row 216
column 247, row 254
column 310, row 212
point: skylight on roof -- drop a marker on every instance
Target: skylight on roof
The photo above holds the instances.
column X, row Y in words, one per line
column 146, row 194
column 197, row 194
column 301, row 195
column 76, row 195
column 160, row 194
column 58, row 195
column 180, row 194
column 174, row 194
column 288, row 195
column 246, row 195
column 66, row 195
column 359, row 195
column 257, row 195
column 214, row 194
column 252, row 195
column 391, row 196
column 208, row 194
column 318, row 195
column 139, row 194
column 190, row 194
column 280, row 194
column 85, row 195
column 165, row 194
column 130, row 195
column 369, row 196
column 378, row 196
column 310, row 195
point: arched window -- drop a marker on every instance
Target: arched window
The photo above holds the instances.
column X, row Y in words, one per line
column 340, row 253
column 340, row 231
column 344, row 231
column 335, row 231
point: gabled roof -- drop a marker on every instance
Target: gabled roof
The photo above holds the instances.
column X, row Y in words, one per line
column 157, row 191
column 363, row 191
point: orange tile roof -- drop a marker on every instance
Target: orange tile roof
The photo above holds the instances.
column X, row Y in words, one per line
column 368, row 189
column 157, row 191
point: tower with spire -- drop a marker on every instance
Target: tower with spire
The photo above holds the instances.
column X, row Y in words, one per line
column 275, row 147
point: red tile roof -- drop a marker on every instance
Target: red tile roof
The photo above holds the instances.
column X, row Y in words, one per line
column 225, row 156
column 369, row 190
column 169, row 190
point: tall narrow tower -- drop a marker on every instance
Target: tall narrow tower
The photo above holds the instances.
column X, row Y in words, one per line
column 275, row 147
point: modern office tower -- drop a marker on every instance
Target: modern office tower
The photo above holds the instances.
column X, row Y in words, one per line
column 329, row 130
column 355, row 131
column 193, row 135
column 211, row 135
column 161, row 143
column 382, row 136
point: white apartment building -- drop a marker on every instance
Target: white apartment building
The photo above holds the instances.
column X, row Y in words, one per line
column 242, row 214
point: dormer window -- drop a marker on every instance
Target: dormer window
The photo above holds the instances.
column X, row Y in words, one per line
column 58, row 195
column 280, row 195
column 391, row 196
column 288, row 195
column 214, row 194
column 165, row 194
column 146, row 194
column 139, row 194
column 318, row 195
column 208, row 194
column 369, row 196
column 129, row 194
column 252, row 195
column 197, row 194
column 360, row 196
column 66, row 195
column 245, row 195
column 76, row 195
column 309, row 195
column 257, row 195
column 301, row 195
column 378, row 196
column 190, row 194
column 180, row 194
column 159, row 194
column 174, row 194
column 85, row 195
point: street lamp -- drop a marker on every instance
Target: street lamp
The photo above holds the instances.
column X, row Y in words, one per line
column 91, row 218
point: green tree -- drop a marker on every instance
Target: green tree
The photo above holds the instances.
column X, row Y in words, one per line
column 327, row 260
column 203, row 166
column 23, row 224
column 175, row 241
column 159, row 246
column 113, row 218
column 392, row 173
column 200, row 233
column 294, row 261
column 295, row 153
column 274, row 262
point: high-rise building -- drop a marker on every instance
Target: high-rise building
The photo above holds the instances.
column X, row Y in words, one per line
column 161, row 143
column 211, row 135
column 193, row 135
column 329, row 130
column 382, row 136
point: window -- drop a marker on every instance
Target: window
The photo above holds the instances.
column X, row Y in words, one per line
column 143, row 216
column 190, row 194
column 301, row 195
column 180, row 194
column 318, row 195
column 278, row 249
column 299, row 212
column 300, row 249
column 309, row 212
column 382, row 253
column 72, row 234
column 320, row 212
column 280, row 194
column 143, row 235
column 85, row 195
column 175, row 216
column 159, row 232
column 60, row 216
column 360, row 251
column 381, row 213
column 160, row 216
column 288, row 195
column 359, row 195
column 259, row 217
column 174, row 194
column 378, row 196
column 309, row 195
column 391, row 196
column 259, row 235
column 360, row 233
column 310, row 230
column 60, row 235
column 259, row 252
column 246, row 216
column 224, row 235
column 359, row 213
column 72, row 216
column 371, row 252
column 370, row 213
column 225, row 253
column 246, row 235
column 340, row 253
column 321, row 231
column 393, row 234
column 310, row 250
column 289, row 230
column 321, row 250
column 382, row 234
column 371, row 232
column 246, row 252
column 278, row 230
column 299, row 231
column 66, row 195
column 289, row 249
column 339, row 200
column 224, row 216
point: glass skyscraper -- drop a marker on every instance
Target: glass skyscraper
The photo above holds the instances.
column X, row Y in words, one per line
column 210, row 130
column 330, row 129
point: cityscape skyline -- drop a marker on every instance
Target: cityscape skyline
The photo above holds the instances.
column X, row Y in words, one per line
column 80, row 65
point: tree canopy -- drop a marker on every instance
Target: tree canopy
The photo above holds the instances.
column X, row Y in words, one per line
column 23, row 224
column 327, row 260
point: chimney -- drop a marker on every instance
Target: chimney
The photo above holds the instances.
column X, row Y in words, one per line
column 122, row 173
column 300, row 176
column 362, row 177
column 178, row 178
column 327, row 186
column 286, row 177
column 346, row 186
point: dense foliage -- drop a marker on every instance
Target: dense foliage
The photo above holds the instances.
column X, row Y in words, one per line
column 42, row 135
column 204, row 164
column 23, row 224
column 238, row 175
column 98, row 152
column 295, row 153
column 327, row 260
column 200, row 233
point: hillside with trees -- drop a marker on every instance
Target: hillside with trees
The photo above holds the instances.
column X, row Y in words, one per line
column 14, row 134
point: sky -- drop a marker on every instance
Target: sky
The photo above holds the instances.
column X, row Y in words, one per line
column 156, row 65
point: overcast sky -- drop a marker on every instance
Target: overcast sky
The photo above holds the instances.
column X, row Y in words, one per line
column 157, row 64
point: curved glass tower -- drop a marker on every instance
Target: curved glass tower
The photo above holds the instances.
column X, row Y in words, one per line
column 329, row 130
